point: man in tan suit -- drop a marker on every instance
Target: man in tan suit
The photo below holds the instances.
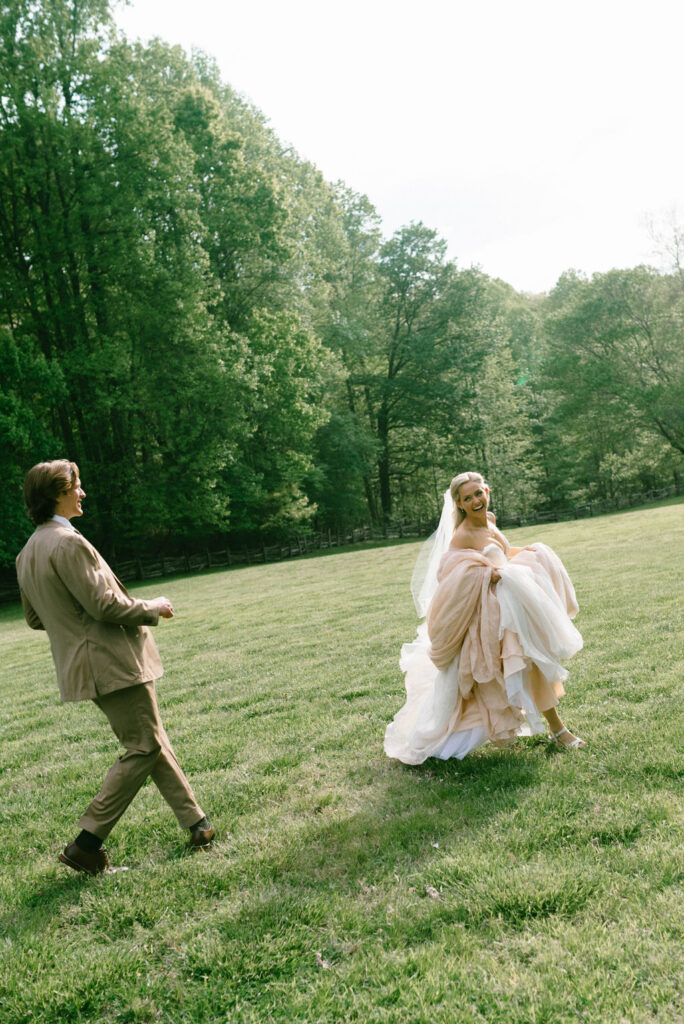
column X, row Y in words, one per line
column 104, row 652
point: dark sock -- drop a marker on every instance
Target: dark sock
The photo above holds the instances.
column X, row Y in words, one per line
column 203, row 823
column 88, row 842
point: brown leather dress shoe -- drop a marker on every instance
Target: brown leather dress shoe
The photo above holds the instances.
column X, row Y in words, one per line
column 200, row 838
column 92, row 863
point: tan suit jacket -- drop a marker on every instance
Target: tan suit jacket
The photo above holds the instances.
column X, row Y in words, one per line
column 97, row 631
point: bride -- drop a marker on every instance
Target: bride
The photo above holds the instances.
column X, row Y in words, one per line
column 485, row 665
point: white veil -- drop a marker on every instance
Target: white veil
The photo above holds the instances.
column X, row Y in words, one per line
column 424, row 578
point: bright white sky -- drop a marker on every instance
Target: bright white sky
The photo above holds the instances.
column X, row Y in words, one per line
column 534, row 135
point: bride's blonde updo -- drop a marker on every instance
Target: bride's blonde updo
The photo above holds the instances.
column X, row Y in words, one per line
column 456, row 485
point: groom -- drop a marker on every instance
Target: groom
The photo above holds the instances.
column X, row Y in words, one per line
column 104, row 652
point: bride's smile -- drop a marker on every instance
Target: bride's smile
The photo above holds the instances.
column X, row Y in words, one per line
column 473, row 499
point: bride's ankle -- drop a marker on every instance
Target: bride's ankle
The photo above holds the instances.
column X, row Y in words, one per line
column 564, row 738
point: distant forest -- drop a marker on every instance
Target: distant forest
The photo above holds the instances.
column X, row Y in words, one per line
column 228, row 347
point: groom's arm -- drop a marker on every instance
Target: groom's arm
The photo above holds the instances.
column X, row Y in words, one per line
column 81, row 571
column 30, row 613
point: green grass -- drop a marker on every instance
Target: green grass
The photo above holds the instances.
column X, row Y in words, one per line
column 523, row 885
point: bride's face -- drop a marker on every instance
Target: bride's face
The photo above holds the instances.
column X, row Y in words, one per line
column 473, row 498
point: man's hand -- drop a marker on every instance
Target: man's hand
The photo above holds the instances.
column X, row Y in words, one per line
column 165, row 607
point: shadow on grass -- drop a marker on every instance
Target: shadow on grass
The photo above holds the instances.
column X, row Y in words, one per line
column 48, row 900
column 395, row 844
column 365, row 879
column 406, row 814
column 413, row 818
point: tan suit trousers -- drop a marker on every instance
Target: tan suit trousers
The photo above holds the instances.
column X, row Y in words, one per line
column 134, row 716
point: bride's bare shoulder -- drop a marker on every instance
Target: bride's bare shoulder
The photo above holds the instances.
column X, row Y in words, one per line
column 462, row 537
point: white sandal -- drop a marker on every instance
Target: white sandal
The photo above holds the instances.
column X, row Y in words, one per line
column 576, row 744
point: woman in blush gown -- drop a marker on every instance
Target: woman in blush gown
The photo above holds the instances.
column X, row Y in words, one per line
column 486, row 662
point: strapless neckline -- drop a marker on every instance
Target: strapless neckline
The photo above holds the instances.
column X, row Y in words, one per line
column 495, row 544
column 495, row 553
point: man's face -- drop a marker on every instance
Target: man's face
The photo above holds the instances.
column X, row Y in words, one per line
column 69, row 502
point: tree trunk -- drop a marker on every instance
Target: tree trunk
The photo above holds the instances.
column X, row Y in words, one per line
column 370, row 498
column 384, row 461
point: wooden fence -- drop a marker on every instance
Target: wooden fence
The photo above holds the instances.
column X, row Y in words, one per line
column 148, row 568
column 168, row 565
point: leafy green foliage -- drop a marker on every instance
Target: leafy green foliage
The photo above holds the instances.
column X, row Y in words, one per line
column 614, row 361
column 132, row 228
column 228, row 347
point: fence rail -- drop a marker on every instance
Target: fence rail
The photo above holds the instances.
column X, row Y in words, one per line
column 143, row 569
column 226, row 557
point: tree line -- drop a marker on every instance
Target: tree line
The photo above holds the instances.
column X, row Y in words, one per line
column 227, row 346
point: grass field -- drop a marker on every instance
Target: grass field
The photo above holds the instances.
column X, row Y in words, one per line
column 517, row 886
